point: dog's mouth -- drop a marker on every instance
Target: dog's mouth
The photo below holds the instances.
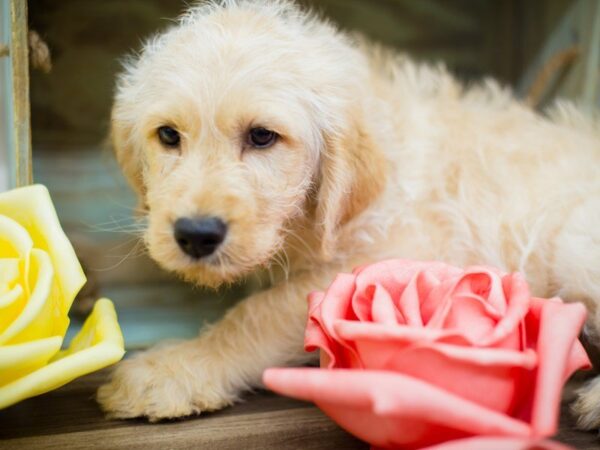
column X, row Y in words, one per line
column 219, row 259
column 225, row 267
column 204, row 255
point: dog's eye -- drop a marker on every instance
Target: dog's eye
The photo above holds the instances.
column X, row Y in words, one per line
column 261, row 137
column 169, row 137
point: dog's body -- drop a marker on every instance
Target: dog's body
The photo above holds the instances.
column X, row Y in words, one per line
column 376, row 157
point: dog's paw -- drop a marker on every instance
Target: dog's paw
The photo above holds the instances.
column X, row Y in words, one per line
column 161, row 384
column 587, row 406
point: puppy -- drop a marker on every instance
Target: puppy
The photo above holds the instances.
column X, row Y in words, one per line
column 258, row 136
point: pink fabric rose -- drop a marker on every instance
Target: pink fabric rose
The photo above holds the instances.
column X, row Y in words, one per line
column 415, row 354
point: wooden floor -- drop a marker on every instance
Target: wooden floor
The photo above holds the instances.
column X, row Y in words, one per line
column 69, row 418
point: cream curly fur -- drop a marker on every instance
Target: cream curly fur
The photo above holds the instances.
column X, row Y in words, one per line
column 379, row 157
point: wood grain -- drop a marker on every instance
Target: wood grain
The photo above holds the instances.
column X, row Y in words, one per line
column 19, row 55
column 69, row 418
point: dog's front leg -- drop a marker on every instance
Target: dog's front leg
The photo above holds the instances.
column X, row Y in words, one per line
column 210, row 372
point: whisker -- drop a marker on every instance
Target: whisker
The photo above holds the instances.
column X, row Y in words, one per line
column 128, row 255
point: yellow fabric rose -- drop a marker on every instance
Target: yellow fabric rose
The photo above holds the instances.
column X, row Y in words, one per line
column 39, row 278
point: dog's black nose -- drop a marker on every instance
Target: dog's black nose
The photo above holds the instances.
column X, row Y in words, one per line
column 200, row 236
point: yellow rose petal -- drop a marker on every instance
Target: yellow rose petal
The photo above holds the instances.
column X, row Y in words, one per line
column 9, row 298
column 20, row 359
column 100, row 327
column 9, row 273
column 32, row 207
column 97, row 345
column 36, row 320
column 10, row 291
column 15, row 241
column 15, row 248
column 11, row 305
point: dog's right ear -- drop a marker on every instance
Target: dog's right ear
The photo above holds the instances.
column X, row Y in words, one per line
column 129, row 158
column 353, row 174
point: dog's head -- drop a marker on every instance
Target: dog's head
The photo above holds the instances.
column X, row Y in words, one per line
column 241, row 121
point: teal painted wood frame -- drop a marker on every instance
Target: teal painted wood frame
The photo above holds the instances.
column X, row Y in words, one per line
column 580, row 81
column 15, row 132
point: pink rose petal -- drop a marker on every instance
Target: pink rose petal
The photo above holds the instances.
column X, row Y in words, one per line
column 333, row 305
column 494, row 375
column 559, row 327
column 499, row 443
column 471, row 316
column 409, row 303
column 438, row 354
column 516, row 291
column 396, row 276
column 383, row 309
column 315, row 336
column 397, row 333
column 391, row 410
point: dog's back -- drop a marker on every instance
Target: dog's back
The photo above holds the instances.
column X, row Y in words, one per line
column 480, row 177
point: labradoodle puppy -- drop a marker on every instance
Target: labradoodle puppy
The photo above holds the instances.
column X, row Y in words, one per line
column 257, row 135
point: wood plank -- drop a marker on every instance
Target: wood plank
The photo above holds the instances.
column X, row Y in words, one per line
column 578, row 80
column 19, row 57
column 591, row 60
column 69, row 418
column 6, row 113
column 291, row 429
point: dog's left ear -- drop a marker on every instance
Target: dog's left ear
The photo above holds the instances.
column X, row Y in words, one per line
column 352, row 175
